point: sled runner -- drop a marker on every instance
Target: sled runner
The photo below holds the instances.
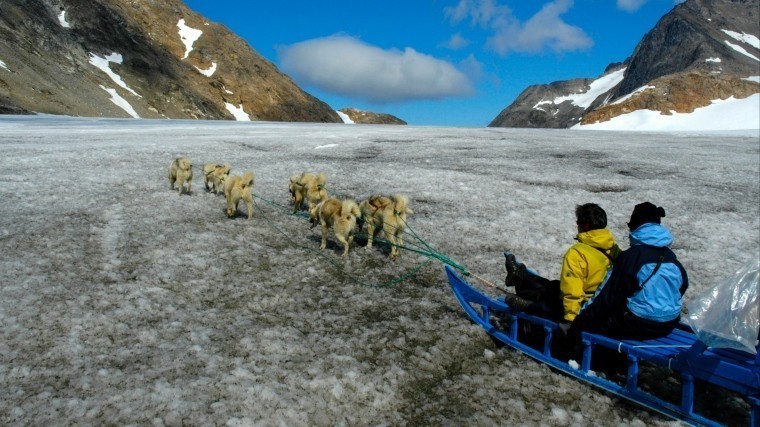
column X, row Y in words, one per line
column 680, row 352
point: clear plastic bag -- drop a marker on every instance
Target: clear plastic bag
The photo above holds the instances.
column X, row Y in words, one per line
column 728, row 315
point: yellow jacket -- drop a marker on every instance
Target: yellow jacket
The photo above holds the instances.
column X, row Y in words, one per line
column 584, row 268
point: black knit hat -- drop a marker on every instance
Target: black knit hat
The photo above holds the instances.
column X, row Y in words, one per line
column 644, row 213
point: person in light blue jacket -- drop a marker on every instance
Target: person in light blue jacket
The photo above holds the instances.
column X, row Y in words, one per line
column 642, row 297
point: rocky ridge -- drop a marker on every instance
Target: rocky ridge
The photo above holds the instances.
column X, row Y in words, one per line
column 701, row 51
column 148, row 59
column 366, row 117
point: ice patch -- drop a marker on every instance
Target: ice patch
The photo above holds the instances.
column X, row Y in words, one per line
column 755, row 79
column 188, row 36
column 712, row 60
column 319, row 147
column 238, row 112
column 3, row 66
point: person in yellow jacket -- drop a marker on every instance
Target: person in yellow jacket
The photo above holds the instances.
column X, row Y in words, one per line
column 584, row 268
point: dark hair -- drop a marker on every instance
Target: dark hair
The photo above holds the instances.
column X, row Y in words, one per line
column 645, row 213
column 590, row 216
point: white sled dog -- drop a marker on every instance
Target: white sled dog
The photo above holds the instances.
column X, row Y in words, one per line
column 238, row 188
column 388, row 214
column 216, row 174
column 181, row 171
column 309, row 188
column 341, row 216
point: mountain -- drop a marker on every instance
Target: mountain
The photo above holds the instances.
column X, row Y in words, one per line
column 701, row 51
column 150, row 59
column 354, row 115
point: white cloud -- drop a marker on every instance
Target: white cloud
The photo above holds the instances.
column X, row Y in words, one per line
column 347, row 66
column 544, row 30
column 630, row 5
column 634, row 5
column 456, row 42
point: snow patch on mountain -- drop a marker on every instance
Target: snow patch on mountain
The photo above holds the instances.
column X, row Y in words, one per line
column 120, row 102
column 103, row 65
column 209, row 72
column 188, row 36
column 237, row 112
column 632, row 94
column 741, row 50
column 596, row 88
column 720, row 115
column 62, row 19
column 345, row 118
column 744, row 38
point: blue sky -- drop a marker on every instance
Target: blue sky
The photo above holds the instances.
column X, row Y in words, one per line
column 436, row 62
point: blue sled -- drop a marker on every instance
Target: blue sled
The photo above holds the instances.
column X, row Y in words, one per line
column 681, row 352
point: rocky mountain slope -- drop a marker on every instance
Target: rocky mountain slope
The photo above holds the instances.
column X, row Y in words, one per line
column 358, row 116
column 130, row 58
column 701, row 51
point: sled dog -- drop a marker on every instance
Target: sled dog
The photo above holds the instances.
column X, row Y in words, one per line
column 238, row 188
column 389, row 215
column 309, row 188
column 181, row 171
column 341, row 216
column 215, row 174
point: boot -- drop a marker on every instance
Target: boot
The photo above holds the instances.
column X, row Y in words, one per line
column 515, row 271
column 517, row 302
column 510, row 263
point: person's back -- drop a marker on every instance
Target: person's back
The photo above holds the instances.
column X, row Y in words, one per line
column 642, row 297
column 584, row 267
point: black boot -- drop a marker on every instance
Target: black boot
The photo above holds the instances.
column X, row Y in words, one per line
column 515, row 271
column 510, row 263
column 516, row 302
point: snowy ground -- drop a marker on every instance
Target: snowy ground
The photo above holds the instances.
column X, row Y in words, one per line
column 123, row 303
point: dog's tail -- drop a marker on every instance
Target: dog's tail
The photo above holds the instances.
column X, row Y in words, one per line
column 351, row 208
column 248, row 178
column 400, row 205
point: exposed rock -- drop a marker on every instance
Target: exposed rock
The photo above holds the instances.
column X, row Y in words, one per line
column 695, row 54
column 680, row 93
column 535, row 107
column 49, row 67
column 367, row 117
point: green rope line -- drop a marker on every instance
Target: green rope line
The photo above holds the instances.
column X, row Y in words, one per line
column 430, row 252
